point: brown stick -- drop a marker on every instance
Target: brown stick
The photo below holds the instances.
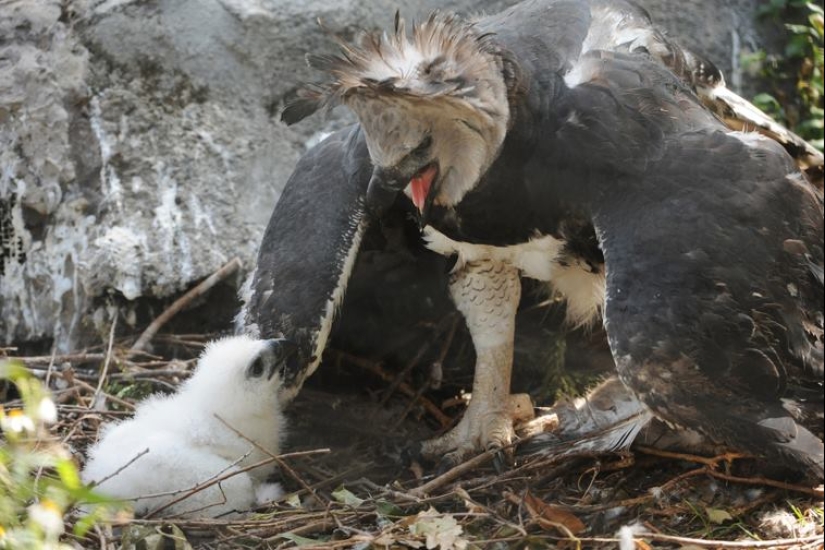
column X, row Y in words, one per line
column 113, row 398
column 104, row 371
column 711, row 462
column 777, row 543
column 70, row 358
column 204, row 485
column 454, row 473
column 403, row 387
column 227, row 269
column 277, row 459
column 813, row 491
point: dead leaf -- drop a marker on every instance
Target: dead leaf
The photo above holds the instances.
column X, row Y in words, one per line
column 344, row 496
column 717, row 515
column 440, row 530
column 540, row 510
column 154, row 537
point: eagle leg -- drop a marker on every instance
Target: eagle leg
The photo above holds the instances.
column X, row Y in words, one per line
column 487, row 294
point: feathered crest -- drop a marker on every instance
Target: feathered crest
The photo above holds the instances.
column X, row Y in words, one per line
column 443, row 57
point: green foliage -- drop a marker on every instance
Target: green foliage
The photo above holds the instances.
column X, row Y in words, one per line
column 39, row 482
column 800, row 65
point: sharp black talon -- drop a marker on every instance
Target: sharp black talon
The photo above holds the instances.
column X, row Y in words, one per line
column 501, row 462
column 451, row 261
column 446, row 464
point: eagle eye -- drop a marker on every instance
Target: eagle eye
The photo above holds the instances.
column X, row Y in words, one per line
column 257, row 368
column 424, row 147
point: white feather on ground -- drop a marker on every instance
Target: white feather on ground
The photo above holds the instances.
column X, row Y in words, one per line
column 178, row 442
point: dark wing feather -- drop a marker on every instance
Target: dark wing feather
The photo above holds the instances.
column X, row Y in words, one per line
column 712, row 322
column 712, row 242
column 313, row 229
column 299, row 109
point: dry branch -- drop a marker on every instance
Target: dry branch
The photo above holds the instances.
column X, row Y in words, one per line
column 225, row 271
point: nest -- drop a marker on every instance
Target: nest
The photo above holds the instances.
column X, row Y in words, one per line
column 349, row 485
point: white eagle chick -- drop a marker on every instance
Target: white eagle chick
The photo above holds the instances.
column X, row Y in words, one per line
column 182, row 443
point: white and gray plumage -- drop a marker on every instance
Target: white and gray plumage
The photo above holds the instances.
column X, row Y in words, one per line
column 178, row 442
column 567, row 141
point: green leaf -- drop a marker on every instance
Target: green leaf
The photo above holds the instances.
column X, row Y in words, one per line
column 717, row 515
column 68, row 473
column 84, row 524
column 388, row 509
column 293, row 500
column 343, row 496
column 13, row 370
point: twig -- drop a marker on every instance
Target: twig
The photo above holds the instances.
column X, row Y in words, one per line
column 201, row 486
column 686, row 541
column 405, row 388
column 372, row 486
column 227, row 269
column 813, row 491
column 68, row 358
column 128, row 375
column 399, row 378
column 414, row 361
column 110, row 397
column 442, row 355
column 777, row 543
column 711, row 462
column 105, row 369
column 116, row 472
column 50, row 369
column 465, row 496
column 454, row 473
column 277, row 459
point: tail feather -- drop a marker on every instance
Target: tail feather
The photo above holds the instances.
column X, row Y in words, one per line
column 607, row 420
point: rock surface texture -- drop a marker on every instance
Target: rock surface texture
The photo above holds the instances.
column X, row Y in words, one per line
column 140, row 146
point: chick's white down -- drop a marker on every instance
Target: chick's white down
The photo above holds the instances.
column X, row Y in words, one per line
column 179, row 442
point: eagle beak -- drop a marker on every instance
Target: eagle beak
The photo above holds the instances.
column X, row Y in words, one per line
column 386, row 183
column 384, row 186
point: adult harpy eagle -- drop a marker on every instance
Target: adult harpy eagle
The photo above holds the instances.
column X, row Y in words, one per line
column 538, row 139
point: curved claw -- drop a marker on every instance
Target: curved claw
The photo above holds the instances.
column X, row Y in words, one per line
column 503, row 460
column 448, row 462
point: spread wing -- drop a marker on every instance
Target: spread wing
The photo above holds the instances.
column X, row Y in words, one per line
column 309, row 247
column 715, row 294
column 713, row 250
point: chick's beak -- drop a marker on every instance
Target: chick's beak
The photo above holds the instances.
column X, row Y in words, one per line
column 285, row 353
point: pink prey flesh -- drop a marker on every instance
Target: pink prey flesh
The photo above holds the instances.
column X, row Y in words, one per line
column 420, row 185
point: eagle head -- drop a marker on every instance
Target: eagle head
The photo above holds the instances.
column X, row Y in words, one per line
column 433, row 106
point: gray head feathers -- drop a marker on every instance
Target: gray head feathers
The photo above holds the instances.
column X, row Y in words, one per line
column 443, row 57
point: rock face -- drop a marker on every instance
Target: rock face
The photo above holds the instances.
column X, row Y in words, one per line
column 140, row 147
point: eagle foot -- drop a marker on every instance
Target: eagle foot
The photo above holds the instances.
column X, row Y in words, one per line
column 485, row 426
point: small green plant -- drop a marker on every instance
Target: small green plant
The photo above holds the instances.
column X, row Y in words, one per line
column 39, row 482
column 800, row 65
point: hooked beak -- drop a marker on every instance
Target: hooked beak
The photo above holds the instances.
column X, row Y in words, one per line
column 385, row 184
